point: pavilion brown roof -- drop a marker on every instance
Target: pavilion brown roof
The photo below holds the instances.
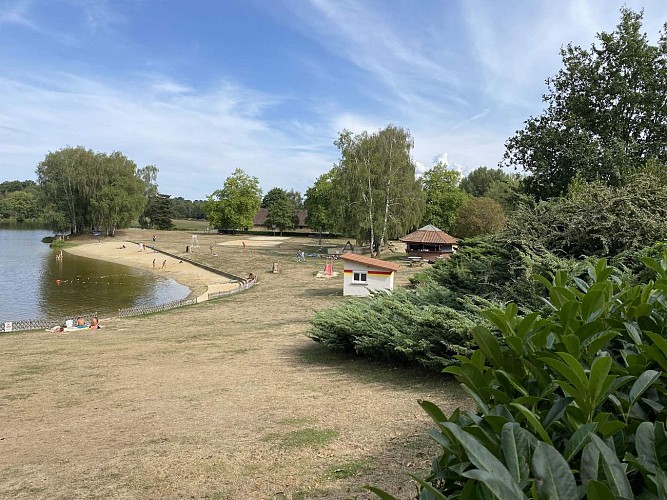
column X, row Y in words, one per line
column 369, row 261
column 429, row 234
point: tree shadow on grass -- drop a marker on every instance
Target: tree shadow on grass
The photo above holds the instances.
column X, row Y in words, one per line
column 322, row 292
column 368, row 371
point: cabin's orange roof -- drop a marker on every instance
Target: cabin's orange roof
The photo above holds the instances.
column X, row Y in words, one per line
column 369, row 261
column 429, row 234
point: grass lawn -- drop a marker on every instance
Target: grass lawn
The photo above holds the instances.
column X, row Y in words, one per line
column 190, row 225
column 225, row 399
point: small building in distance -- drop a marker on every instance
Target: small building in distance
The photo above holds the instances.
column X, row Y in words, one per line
column 259, row 221
column 429, row 242
column 363, row 274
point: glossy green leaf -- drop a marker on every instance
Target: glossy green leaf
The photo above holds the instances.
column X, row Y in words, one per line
column 526, row 324
column 500, row 489
column 437, row 495
column 614, row 472
column 533, row 421
column 598, row 341
column 541, row 279
column 571, row 370
column 634, row 332
column 553, row 477
column 489, row 345
column 578, row 440
column 512, row 381
column 598, row 491
column 441, row 439
column 433, row 411
column 572, row 344
column 478, row 455
column 590, row 463
column 610, row 428
column 556, row 411
column 383, row 494
column 500, row 320
column 480, row 403
column 645, row 445
column 515, row 448
column 658, row 341
column 660, row 482
column 600, row 381
column 642, row 384
column 593, row 304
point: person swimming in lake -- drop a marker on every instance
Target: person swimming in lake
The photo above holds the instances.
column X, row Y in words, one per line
column 80, row 322
column 94, row 323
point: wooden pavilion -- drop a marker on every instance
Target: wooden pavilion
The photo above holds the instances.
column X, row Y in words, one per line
column 429, row 242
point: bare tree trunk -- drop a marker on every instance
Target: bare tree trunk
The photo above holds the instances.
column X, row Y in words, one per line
column 387, row 195
column 370, row 208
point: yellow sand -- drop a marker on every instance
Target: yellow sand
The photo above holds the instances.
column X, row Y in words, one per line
column 256, row 241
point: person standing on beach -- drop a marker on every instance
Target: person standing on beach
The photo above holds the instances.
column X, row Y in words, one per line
column 153, row 263
column 164, row 263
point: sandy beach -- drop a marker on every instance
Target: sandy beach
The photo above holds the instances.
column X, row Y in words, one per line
column 122, row 251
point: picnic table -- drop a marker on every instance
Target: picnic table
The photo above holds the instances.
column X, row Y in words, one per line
column 416, row 261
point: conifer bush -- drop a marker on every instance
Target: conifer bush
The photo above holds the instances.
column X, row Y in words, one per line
column 432, row 323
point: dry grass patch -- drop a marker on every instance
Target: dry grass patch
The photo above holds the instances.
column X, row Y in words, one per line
column 225, row 399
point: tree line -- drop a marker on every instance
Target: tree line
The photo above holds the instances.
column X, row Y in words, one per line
column 80, row 190
column 604, row 119
column 373, row 194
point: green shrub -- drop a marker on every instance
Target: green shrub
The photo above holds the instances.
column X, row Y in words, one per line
column 571, row 403
column 430, row 325
column 595, row 219
column 403, row 327
column 498, row 268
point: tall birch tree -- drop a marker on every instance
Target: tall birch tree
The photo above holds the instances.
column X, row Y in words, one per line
column 375, row 190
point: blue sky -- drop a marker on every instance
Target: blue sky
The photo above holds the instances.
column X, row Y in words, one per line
column 202, row 87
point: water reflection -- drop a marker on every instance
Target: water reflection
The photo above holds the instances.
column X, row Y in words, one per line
column 78, row 284
column 37, row 285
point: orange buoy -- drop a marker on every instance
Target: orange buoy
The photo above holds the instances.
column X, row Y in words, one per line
column 57, row 282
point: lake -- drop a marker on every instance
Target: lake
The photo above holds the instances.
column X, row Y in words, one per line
column 35, row 285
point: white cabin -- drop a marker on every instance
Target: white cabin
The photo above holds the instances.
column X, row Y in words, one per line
column 363, row 274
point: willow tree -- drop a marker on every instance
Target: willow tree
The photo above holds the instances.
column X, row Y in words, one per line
column 78, row 182
column 375, row 190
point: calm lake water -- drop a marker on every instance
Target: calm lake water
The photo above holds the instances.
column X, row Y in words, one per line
column 29, row 270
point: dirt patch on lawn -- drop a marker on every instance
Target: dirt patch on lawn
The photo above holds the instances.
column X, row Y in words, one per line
column 226, row 399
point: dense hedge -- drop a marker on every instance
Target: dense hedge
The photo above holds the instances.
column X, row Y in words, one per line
column 428, row 326
column 432, row 323
column 572, row 403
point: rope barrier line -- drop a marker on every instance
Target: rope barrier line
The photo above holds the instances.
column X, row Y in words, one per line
column 140, row 310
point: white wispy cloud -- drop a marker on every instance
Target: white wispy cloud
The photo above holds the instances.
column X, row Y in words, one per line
column 17, row 12
column 408, row 72
column 99, row 13
column 196, row 139
column 460, row 76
